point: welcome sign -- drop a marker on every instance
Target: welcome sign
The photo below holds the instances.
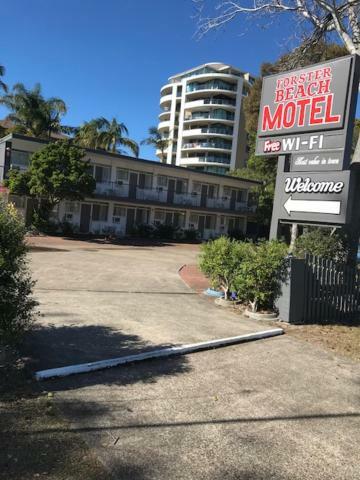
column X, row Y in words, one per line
column 307, row 112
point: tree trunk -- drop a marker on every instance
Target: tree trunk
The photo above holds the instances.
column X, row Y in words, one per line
column 294, row 235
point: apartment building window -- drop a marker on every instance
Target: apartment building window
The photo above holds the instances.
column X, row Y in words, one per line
column 102, row 173
column 99, row 212
column 122, row 175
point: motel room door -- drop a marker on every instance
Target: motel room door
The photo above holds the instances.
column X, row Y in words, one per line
column 130, row 219
column 233, row 199
column 171, row 191
column 201, row 224
column 133, row 179
column 85, row 217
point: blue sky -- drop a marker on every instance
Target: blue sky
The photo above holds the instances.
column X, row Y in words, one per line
column 110, row 57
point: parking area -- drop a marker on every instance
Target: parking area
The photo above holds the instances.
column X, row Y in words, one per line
column 99, row 301
column 275, row 409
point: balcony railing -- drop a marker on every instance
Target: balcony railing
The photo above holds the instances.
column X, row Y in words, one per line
column 219, row 101
column 167, row 197
column 219, row 116
column 226, row 146
column 223, row 131
column 194, row 87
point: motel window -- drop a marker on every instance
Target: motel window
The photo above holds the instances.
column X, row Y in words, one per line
column 194, row 218
column 227, row 191
column 196, row 187
column 141, row 216
column 159, row 216
column 99, row 212
column 179, row 219
column 162, row 181
column 71, row 207
column 240, row 196
column 20, row 159
column 102, row 173
column 209, row 222
column 122, row 175
column 145, row 180
column 119, row 211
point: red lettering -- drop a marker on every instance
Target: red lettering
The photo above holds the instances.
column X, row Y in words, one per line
column 324, row 86
column 279, row 96
column 302, row 104
column 289, row 120
column 270, row 122
column 328, row 108
column 327, row 72
column 315, row 110
column 311, row 89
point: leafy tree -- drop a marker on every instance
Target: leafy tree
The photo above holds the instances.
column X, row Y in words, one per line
column 220, row 260
column 104, row 134
column 156, row 140
column 320, row 241
column 16, row 301
column 3, row 85
column 320, row 18
column 258, row 278
column 31, row 113
column 57, row 172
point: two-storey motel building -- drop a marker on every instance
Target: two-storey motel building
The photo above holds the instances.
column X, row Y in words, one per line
column 131, row 191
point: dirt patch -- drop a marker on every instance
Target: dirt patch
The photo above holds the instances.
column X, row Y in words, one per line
column 340, row 339
column 29, row 448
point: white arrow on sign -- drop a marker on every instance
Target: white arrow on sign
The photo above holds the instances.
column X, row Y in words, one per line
column 312, row 206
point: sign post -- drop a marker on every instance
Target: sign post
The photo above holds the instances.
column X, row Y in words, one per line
column 306, row 118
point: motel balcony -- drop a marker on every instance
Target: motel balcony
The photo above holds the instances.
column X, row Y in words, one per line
column 118, row 190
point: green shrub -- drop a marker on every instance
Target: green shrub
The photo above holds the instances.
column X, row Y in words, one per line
column 319, row 241
column 165, row 231
column 220, row 260
column 258, row 278
column 143, row 230
column 67, row 228
column 191, row 235
column 16, row 302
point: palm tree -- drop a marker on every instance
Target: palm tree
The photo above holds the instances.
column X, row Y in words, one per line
column 3, row 86
column 156, row 140
column 103, row 134
column 31, row 113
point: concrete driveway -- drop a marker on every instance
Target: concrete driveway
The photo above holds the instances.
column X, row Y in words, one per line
column 275, row 409
column 101, row 301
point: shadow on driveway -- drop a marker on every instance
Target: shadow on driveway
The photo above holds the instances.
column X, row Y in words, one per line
column 52, row 347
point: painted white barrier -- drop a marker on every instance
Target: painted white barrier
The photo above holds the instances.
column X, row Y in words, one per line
column 164, row 352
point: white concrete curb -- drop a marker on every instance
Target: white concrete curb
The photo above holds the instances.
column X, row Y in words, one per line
column 164, row 352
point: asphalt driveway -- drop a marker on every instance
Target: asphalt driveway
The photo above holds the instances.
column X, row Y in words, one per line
column 274, row 409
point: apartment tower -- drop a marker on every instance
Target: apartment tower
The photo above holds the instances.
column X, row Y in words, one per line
column 202, row 116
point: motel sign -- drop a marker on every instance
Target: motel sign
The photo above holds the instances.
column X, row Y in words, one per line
column 306, row 119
